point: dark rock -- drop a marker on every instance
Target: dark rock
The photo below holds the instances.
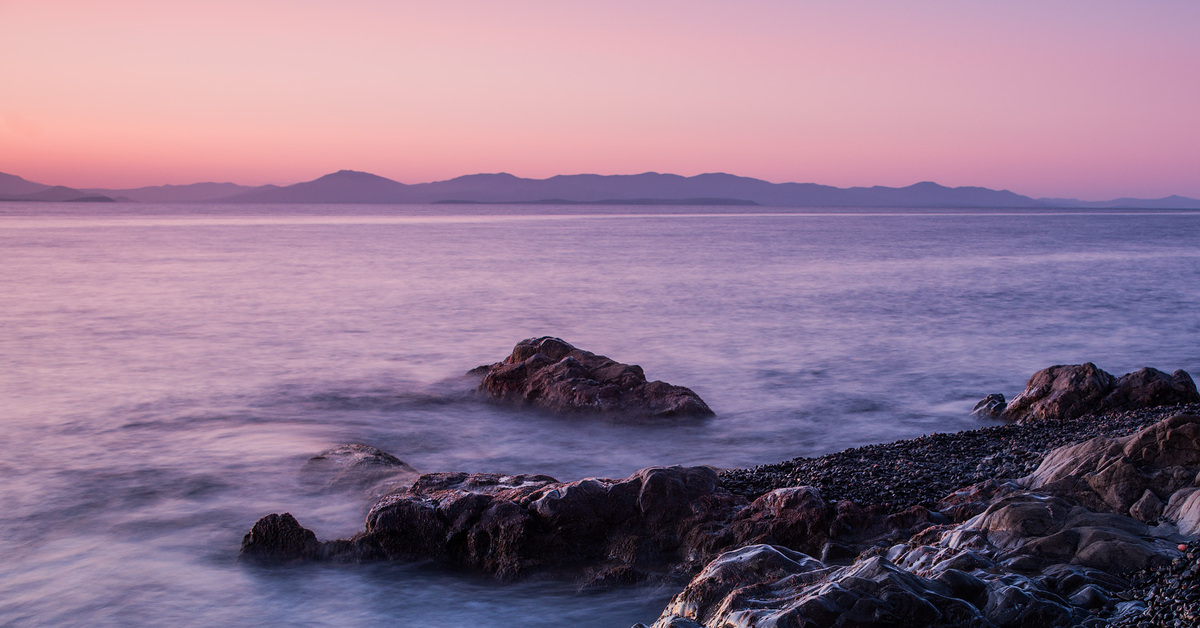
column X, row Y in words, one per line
column 277, row 539
column 1147, row 388
column 992, row 406
column 1063, row 391
column 550, row 374
column 659, row 519
column 357, row 466
column 1069, row 391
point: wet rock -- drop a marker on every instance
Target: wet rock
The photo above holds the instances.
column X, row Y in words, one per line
column 277, row 539
column 1062, row 391
column 553, row 375
column 762, row 585
column 1147, row 388
column 1069, row 391
column 1043, row 530
column 357, row 466
column 794, row 517
column 991, row 407
column 1115, row 474
column 659, row 519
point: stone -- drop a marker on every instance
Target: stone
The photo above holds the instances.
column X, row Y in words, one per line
column 357, row 466
column 1073, row 390
column 1114, row 474
column 991, row 407
column 655, row 521
column 551, row 374
column 1060, row 392
column 278, row 539
column 1148, row 388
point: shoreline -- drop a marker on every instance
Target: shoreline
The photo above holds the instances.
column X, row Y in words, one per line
column 918, row 472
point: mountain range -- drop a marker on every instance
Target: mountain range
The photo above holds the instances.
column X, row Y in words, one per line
column 651, row 188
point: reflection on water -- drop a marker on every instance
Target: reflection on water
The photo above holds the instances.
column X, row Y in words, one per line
column 169, row 371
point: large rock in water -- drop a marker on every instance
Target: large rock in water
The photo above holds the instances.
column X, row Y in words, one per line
column 652, row 521
column 1073, row 390
column 551, row 374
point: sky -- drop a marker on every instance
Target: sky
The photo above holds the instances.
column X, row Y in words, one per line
column 1091, row 99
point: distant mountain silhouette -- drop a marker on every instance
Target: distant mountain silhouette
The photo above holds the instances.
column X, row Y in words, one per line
column 348, row 186
column 59, row 194
column 650, row 188
column 12, row 185
column 1167, row 202
column 343, row 186
column 193, row 193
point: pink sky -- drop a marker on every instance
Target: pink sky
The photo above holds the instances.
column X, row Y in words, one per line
column 1092, row 99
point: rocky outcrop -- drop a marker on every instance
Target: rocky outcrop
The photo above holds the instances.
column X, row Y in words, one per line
column 1148, row 475
column 357, row 467
column 1053, row 548
column 1070, row 391
column 991, row 406
column 278, row 539
column 1027, row 561
column 550, row 374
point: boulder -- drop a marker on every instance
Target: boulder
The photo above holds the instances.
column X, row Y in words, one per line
column 279, row 539
column 1060, row 392
column 1148, row 388
column 659, row 519
column 1073, row 390
column 550, row 374
column 356, row 466
column 1131, row 475
column 991, row 406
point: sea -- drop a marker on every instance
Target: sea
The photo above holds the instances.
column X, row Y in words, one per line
column 167, row 370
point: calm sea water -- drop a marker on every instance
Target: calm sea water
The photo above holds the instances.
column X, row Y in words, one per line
column 168, row 369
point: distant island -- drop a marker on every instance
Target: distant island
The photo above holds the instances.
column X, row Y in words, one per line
column 651, row 188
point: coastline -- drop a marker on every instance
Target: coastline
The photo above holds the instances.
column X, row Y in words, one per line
column 921, row 471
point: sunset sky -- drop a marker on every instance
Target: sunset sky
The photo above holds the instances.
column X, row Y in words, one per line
column 1091, row 99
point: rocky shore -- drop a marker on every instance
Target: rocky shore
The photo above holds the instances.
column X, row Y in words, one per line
column 1083, row 510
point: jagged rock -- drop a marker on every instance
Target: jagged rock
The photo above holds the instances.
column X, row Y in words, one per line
column 278, row 539
column 1115, row 474
column 357, row 466
column 763, row 585
column 1062, row 391
column 1070, row 391
column 1147, row 388
column 553, row 375
column 991, row 406
column 1031, row 532
column 657, row 519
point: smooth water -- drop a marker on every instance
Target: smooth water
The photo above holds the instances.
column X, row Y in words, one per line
column 167, row 370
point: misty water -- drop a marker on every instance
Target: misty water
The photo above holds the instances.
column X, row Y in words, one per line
column 167, row 371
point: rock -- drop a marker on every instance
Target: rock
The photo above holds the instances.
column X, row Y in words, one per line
column 991, row 407
column 277, row 539
column 762, row 585
column 357, row 466
column 1060, row 392
column 659, row 519
column 551, row 374
column 1043, row 531
column 794, row 517
column 1115, row 474
column 1147, row 388
column 1070, row 391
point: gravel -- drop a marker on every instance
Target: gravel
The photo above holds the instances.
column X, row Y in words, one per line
column 923, row 470
column 1164, row 596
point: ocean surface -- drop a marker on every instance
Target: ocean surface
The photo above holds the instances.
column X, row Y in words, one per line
column 167, row 371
